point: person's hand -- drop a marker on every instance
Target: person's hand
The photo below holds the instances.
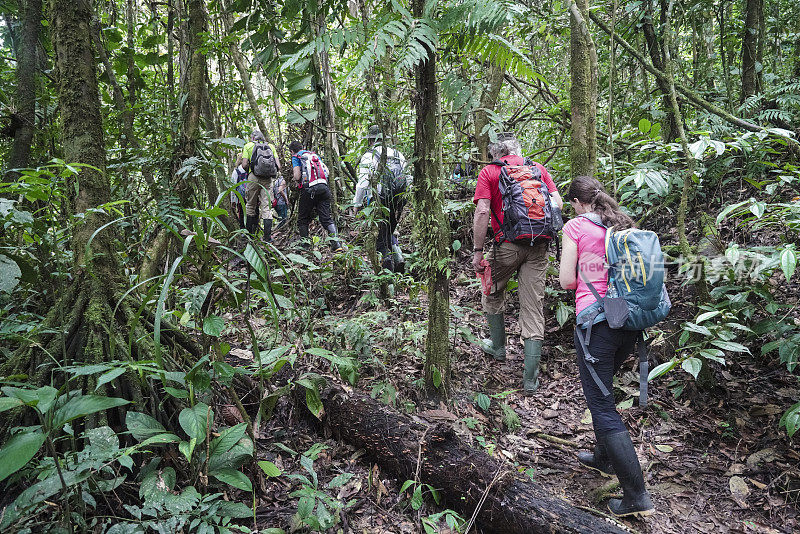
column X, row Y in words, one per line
column 477, row 257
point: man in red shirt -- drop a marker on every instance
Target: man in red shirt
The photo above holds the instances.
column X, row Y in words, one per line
column 507, row 258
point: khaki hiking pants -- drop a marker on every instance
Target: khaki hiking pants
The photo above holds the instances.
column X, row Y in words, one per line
column 259, row 195
column 531, row 264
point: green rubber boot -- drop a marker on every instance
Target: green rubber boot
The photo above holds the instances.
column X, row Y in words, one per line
column 533, row 354
column 495, row 345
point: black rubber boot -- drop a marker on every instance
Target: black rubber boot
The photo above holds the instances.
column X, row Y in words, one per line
column 305, row 243
column 336, row 245
column 495, row 344
column 398, row 259
column 635, row 499
column 268, row 230
column 250, row 225
column 597, row 460
column 533, row 355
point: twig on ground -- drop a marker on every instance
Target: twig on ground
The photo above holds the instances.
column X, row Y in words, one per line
column 553, row 439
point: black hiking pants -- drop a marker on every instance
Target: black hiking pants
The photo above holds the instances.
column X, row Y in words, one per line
column 387, row 226
column 315, row 198
column 612, row 347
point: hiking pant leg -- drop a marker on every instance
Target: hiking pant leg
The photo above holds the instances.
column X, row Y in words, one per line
column 505, row 259
column 626, row 347
column 305, row 210
column 251, row 193
column 322, row 201
column 532, row 277
column 265, row 197
column 603, row 345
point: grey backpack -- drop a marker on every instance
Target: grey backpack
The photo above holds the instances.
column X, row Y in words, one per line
column 263, row 162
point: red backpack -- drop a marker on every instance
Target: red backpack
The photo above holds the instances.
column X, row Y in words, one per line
column 314, row 171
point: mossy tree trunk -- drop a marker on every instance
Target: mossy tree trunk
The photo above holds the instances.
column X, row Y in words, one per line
column 491, row 91
column 24, row 117
column 244, row 73
column 583, row 92
column 751, row 72
column 87, row 326
column 432, row 224
column 195, row 88
column 655, row 48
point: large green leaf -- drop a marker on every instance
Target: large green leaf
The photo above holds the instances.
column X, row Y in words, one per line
column 194, row 421
column 142, row 426
column 10, row 274
column 730, row 346
column 269, row 468
column 788, row 262
column 227, row 439
column 18, row 451
column 232, row 477
column 7, row 403
column 84, row 405
column 213, row 325
column 692, row 366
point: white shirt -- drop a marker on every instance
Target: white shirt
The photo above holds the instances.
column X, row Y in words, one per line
column 366, row 169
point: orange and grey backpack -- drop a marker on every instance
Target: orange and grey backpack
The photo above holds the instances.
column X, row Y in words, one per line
column 528, row 213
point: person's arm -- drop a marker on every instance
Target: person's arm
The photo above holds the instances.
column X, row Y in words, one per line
column 282, row 191
column 297, row 175
column 364, row 169
column 555, row 197
column 480, row 223
column 567, row 272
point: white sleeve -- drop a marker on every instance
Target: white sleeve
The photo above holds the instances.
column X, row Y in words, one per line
column 364, row 171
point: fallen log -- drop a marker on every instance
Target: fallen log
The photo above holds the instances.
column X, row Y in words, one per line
column 463, row 476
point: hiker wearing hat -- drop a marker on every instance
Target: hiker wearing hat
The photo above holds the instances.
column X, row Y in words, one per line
column 523, row 223
column 392, row 181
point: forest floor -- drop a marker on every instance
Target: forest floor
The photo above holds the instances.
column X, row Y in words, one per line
column 715, row 459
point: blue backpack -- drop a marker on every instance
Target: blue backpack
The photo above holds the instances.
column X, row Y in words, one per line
column 636, row 297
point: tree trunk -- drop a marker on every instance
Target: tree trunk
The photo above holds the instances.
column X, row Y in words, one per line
column 24, row 118
column 583, row 92
column 491, row 91
column 432, row 224
column 654, row 48
column 691, row 164
column 753, row 13
column 244, row 74
column 514, row 504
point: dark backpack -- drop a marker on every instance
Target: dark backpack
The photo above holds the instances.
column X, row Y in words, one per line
column 263, row 162
column 392, row 179
column 312, row 168
column 528, row 213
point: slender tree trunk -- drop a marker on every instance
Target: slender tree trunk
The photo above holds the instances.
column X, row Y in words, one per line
column 491, row 91
column 432, row 225
column 753, row 13
column 583, row 92
column 170, row 57
column 654, row 48
column 244, row 73
column 25, row 116
column 195, row 77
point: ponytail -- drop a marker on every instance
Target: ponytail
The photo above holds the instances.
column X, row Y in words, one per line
column 589, row 190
